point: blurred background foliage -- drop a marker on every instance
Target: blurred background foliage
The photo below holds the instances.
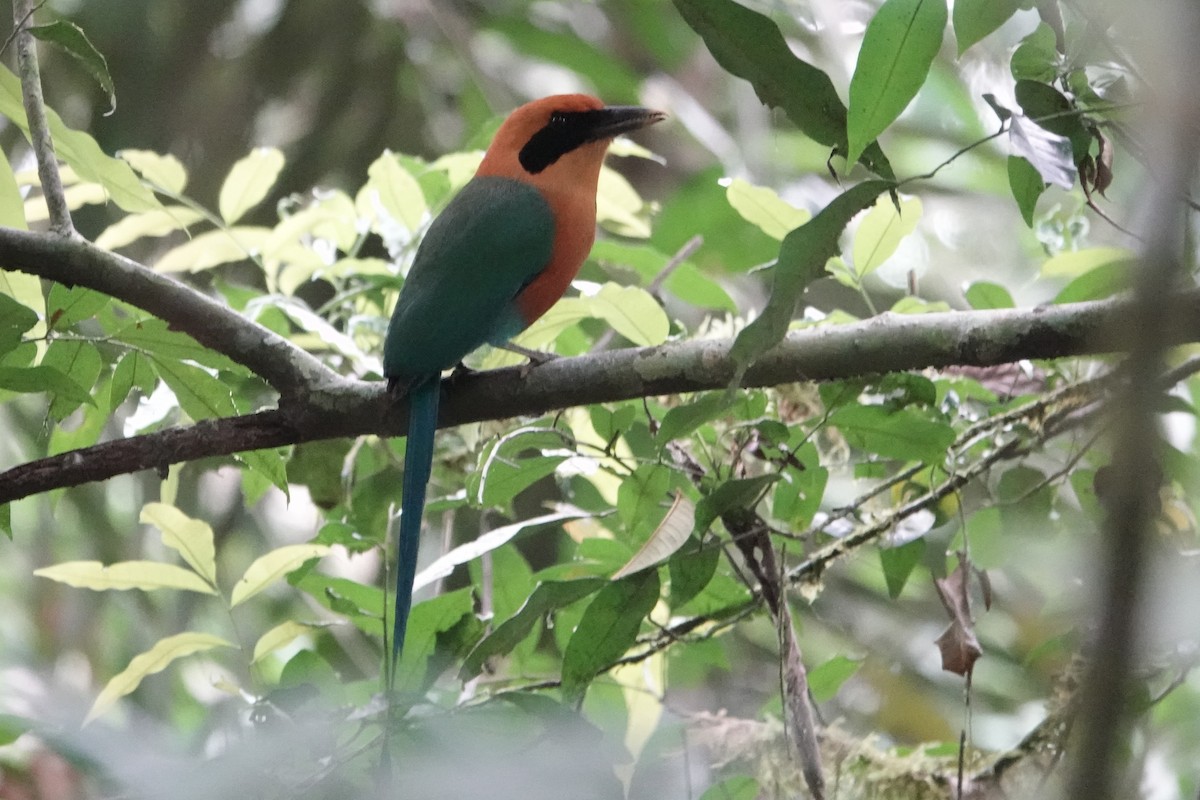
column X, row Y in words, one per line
column 335, row 84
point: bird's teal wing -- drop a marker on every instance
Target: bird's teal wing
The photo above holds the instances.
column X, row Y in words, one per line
column 492, row 239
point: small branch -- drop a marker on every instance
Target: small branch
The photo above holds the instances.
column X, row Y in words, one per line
column 39, row 127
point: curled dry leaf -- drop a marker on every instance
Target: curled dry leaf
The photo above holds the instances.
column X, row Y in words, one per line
column 958, row 644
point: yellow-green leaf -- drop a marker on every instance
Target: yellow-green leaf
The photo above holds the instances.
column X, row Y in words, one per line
column 669, row 536
column 248, row 182
column 213, row 248
column 1073, row 263
column 279, row 636
column 144, row 575
column 632, row 312
column 156, row 659
column 881, row 231
column 619, row 207
column 392, row 190
column 762, row 207
column 12, row 208
column 273, row 566
column 191, row 538
column 77, row 196
column 164, row 172
column 147, row 224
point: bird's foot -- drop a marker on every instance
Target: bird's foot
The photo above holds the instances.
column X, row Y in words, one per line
column 536, row 357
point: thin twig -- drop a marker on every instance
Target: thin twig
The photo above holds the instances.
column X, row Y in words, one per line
column 39, row 125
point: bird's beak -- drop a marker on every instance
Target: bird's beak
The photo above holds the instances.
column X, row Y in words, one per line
column 605, row 123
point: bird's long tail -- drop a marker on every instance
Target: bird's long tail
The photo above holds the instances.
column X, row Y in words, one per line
column 418, row 461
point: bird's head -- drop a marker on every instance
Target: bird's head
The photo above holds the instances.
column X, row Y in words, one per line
column 561, row 139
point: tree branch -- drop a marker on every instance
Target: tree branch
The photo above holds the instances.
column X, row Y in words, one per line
column 346, row 408
column 39, row 128
column 294, row 373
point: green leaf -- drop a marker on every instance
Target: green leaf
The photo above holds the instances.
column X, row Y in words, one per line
column 134, row 369
column 1037, row 57
column 739, row 787
column 1027, row 184
column 898, row 563
column 640, row 496
column 750, row 46
column 213, row 248
column 248, row 182
column 278, row 637
column 513, row 463
column 681, row 420
column 984, row 295
column 80, row 151
column 881, row 231
column 144, row 575
column 200, row 395
column 1104, row 281
column 156, row 659
column 165, row 172
column 762, row 207
column 154, row 337
column 802, row 258
column 548, row 596
column 607, row 630
column 71, row 38
column 690, row 570
column 12, row 727
column 271, row 567
column 12, row 204
column 269, row 463
column 975, row 19
column 1074, row 263
column 825, row 680
column 429, row 619
column 901, row 434
column 15, row 320
column 632, row 312
column 147, row 224
column 738, row 493
column 191, row 538
column 1050, row 110
column 68, row 306
column 391, row 193
column 898, row 48
column 671, row 534
column 43, row 379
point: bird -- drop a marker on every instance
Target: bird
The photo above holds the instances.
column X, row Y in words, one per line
column 499, row 255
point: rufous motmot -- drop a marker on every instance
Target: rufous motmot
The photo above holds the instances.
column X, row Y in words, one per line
column 502, row 252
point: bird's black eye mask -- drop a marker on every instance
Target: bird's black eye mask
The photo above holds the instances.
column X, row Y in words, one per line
column 567, row 130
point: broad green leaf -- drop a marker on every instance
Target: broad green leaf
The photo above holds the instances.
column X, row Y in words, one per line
column 161, row 171
column 67, row 306
column 430, row 619
column 80, row 361
column 619, row 207
column 825, row 679
column 80, row 151
column 749, row 45
column 15, row 320
column 1102, row 282
column 77, row 196
column 898, row 48
column 802, row 258
column 691, row 569
column 1027, row 184
column 191, row 538
column 248, row 182
column 269, row 463
column 393, row 190
column 213, row 248
column 12, row 727
column 144, row 575
column 156, row 659
column 147, row 224
column 975, row 19
column 134, row 369
column 900, row 434
column 280, row 636
column 881, row 231
column 608, row 628
column 71, row 38
column 153, row 336
column 737, row 493
column 43, row 379
column 984, row 295
column 26, row 289
column 762, row 207
column 632, row 312
column 1073, row 263
column 200, row 395
column 512, row 464
column 681, row 420
column 12, row 206
column 670, row 535
column 547, row 597
column 641, row 495
column 272, row 567
column 898, row 563
column 1050, row 110
column 739, row 787
column 1037, row 57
